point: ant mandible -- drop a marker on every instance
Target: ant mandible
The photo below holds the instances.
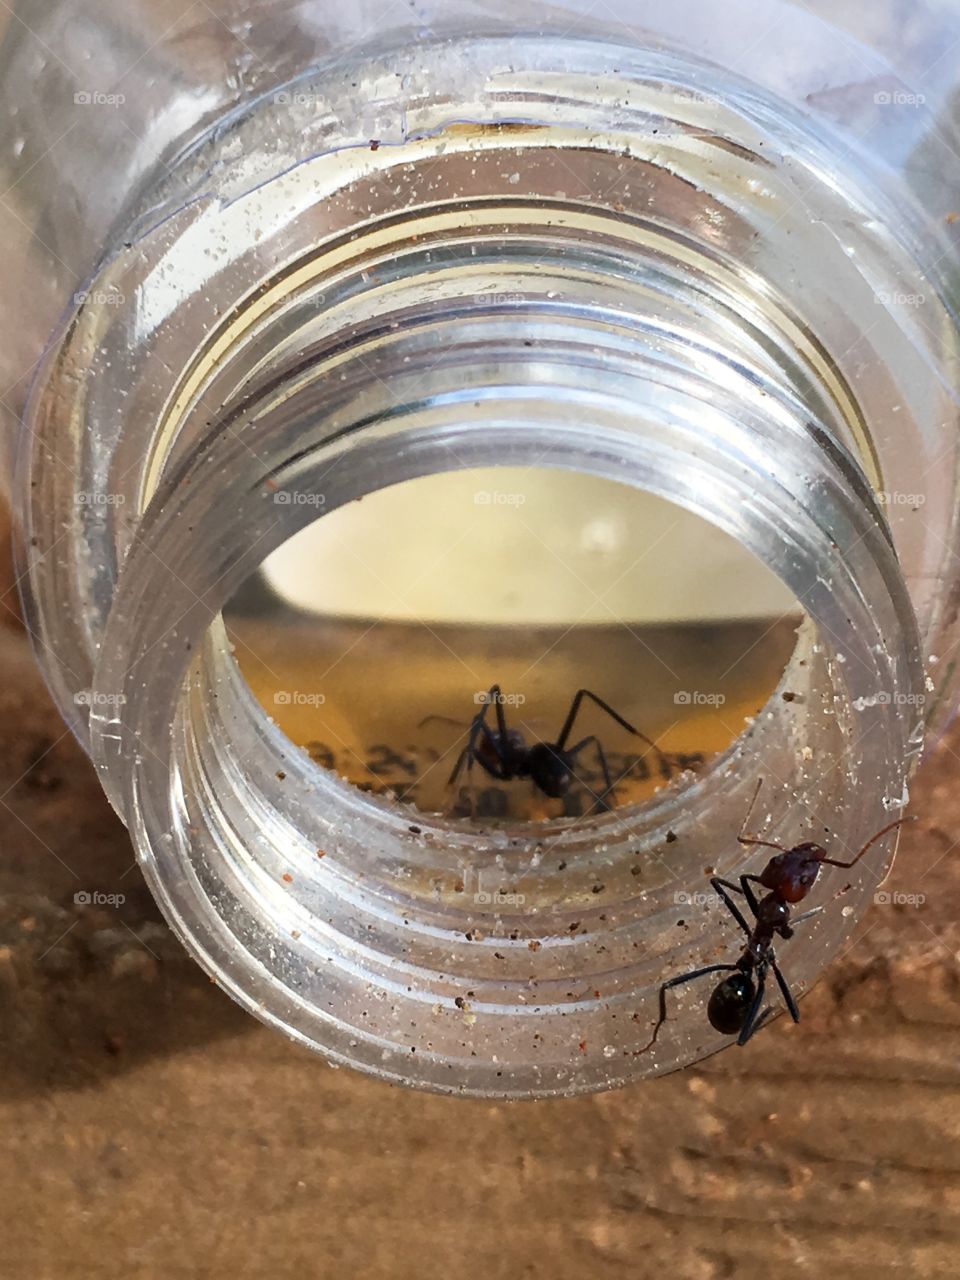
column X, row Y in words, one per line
column 734, row 1006
column 504, row 754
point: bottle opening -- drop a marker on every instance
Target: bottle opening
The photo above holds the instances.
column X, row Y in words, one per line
column 377, row 636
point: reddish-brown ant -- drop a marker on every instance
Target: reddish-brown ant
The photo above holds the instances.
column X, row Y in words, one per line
column 734, row 1007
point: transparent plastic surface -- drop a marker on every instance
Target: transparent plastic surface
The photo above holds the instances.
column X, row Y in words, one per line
column 374, row 638
column 681, row 269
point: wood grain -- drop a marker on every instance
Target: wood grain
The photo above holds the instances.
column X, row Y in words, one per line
column 149, row 1128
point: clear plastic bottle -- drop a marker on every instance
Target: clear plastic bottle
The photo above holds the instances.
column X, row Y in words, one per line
column 315, row 253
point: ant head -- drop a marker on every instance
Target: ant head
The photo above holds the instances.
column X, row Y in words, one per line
column 730, row 1003
column 810, row 850
column 792, row 874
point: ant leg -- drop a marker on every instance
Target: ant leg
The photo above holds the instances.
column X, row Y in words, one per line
column 478, row 727
column 466, row 755
column 599, row 802
column 721, row 886
column 746, row 883
column 496, row 693
column 455, row 771
column 785, row 991
column 571, row 717
column 891, row 826
column 469, row 755
column 767, row 1013
column 608, row 781
column 614, row 715
column 814, row 911
column 498, row 772
column 678, row 982
column 754, row 1018
column 788, row 930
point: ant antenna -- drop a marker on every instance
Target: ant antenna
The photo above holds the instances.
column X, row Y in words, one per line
column 458, row 724
column 891, row 826
column 744, row 838
column 756, row 795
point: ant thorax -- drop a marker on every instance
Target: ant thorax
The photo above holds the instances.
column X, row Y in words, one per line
column 550, row 768
column 773, row 914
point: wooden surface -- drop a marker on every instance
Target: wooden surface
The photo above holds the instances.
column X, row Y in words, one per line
column 149, row 1128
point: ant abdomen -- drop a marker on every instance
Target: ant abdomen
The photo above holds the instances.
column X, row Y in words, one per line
column 730, row 1004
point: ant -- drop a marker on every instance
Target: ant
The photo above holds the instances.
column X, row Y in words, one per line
column 504, row 754
column 734, row 1006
